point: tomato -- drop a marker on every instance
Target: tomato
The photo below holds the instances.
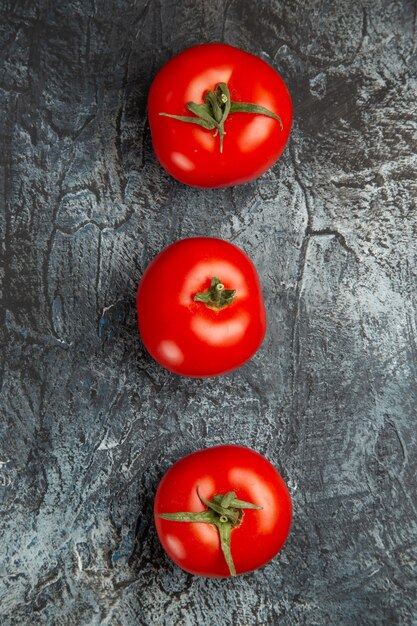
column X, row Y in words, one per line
column 195, row 537
column 200, row 307
column 218, row 116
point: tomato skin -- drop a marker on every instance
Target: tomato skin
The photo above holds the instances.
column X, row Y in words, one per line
column 253, row 142
column 194, row 546
column 185, row 336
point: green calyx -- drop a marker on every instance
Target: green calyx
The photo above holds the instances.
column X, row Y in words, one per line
column 217, row 106
column 225, row 512
column 216, row 296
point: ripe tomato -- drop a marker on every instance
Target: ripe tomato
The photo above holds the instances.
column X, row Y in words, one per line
column 200, row 307
column 219, row 116
column 196, row 538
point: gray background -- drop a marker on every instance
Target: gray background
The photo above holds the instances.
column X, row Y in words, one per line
column 89, row 423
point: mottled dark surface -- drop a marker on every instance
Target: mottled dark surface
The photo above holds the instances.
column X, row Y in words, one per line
column 89, row 422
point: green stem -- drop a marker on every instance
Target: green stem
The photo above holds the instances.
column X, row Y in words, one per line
column 216, row 296
column 228, row 514
column 224, row 512
column 216, row 109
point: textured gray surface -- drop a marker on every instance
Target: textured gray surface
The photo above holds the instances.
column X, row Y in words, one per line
column 89, row 423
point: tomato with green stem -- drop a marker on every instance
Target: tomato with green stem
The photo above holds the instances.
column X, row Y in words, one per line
column 222, row 511
column 218, row 115
column 200, row 307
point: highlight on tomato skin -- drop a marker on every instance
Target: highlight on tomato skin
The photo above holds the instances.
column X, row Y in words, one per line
column 200, row 308
column 219, row 116
column 222, row 511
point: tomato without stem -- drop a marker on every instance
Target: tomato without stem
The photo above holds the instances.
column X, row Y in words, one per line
column 256, row 535
column 219, row 116
column 200, row 307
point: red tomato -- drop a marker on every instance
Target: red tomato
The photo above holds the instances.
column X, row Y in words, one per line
column 259, row 533
column 252, row 142
column 181, row 331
